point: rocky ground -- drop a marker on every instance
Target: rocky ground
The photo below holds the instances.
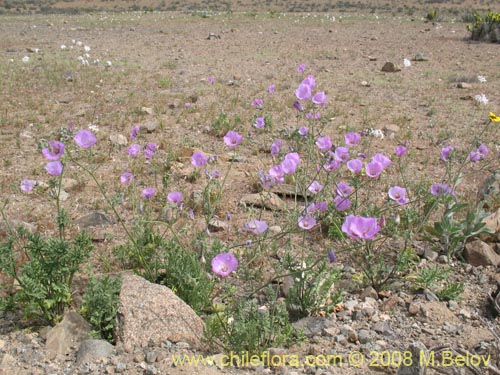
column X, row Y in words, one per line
column 149, row 66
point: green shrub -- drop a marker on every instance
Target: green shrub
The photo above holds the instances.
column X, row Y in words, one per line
column 100, row 305
column 487, row 28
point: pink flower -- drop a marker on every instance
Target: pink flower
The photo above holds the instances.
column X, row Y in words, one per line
column 373, row 169
column 400, row 151
column 359, row 227
column 352, row 139
column 303, row 92
column 324, row 143
column 54, row 151
column 382, row 159
column 291, row 162
column 27, row 185
column 199, row 159
column 85, row 138
column 342, row 204
column 355, row 165
column 148, row 192
column 224, row 264
column 259, row 122
column 315, row 187
column 398, row 194
column 319, row 98
column 54, row 168
column 306, row 222
column 175, row 197
column 232, row 139
column 271, row 89
column 256, row 226
column 301, row 68
column 126, row 178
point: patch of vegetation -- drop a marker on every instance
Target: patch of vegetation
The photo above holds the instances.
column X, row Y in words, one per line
column 485, row 28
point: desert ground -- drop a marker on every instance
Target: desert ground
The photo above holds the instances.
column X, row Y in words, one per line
column 189, row 76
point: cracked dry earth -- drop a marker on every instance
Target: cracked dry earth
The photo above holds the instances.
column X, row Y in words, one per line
column 162, row 60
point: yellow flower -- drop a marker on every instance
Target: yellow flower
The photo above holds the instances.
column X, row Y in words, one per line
column 494, row 118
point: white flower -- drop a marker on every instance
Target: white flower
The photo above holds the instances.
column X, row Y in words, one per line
column 25, row 59
column 63, row 46
column 481, row 99
column 406, row 63
column 94, row 128
column 481, row 79
column 79, row 44
column 109, row 63
column 86, row 48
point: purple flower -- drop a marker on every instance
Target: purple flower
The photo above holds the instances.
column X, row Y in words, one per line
column 324, row 143
column 306, row 222
column 291, row 162
column 341, row 154
column 175, row 197
column 332, row 258
column 303, row 92
column 85, row 138
column 342, row 204
column 317, row 116
column 276, row 146
column 373, row 169
column 134, row 150
column 54, row 151
column 359, row 227
column 298, row 106
column 126, row 178
column 319, row 98
column 352, row 139
column 271, row 88
column 331, row 165
column 199, row 159
column 277, row 174
column 54, row 168
column 398, row 194
column 257, row 102
column 446, row 151
column 256, row 226
column 315, row 187
column 483, row 150
column 27, row 185
column 475, row 156
column 152, row 146
column 148, row 192
column 400, row 151
column 266, row 180
column 303, row 131
column 309, row 81
column 301, row 68
column 214, row 174
column 232, row 139
column 259, row 122
column 134, row 132
column 355, row 165
column 343, row 189
column 211, row 80
column 223, row 264
column 382, row 159
column 317, row 206
column 441, row 189
column 187, row 104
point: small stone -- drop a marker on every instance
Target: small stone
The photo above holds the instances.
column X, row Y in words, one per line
column 390, row 67
column 443, row 259
column 364, row 337
column 413, row 308
column 275, row 229
column 420, row 57
column 65, row 98
column 151, row 356
column 430, row 296
column 94, row 219
column 121, row 367
column 263, row 200
column 139, row 357
column 464, row 85
column 492, row 222
column 453, row 305
column 118, row 140
column 372, row 58
column 92, row 350
column 479, row 253
column 390, row 303
column 71, row 331
column 382, row 328
column 365, row 84
column 465, row 314
column 391, row 130
column 147, row 110
column 149, row 127
column 368, row 292
column 217, row 225
column 430, row 254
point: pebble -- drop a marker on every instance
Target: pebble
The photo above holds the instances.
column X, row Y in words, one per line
column 453, row 305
